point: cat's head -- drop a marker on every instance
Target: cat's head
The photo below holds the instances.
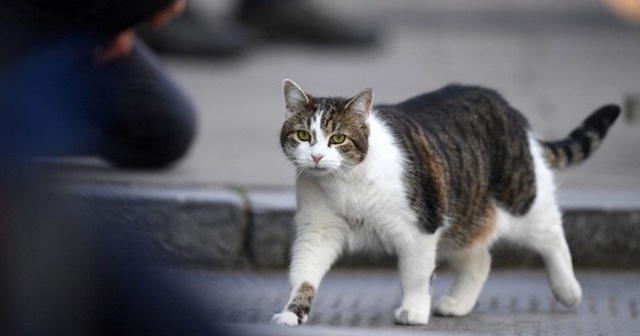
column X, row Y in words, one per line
column 321, row 135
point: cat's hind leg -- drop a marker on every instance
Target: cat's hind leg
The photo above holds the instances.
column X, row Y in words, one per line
column 472, row 266
column 541, row 229
column 545, row 235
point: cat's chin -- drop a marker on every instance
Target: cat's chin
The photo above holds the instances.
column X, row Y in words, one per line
column 317, row 171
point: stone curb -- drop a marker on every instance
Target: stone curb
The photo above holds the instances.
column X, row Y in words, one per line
column 200, row 227
column 225, row 227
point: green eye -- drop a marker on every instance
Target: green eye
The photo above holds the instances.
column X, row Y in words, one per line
column 303, row 135
column 337, row 139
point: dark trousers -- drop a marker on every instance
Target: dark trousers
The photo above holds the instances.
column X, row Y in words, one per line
column 63, row 272
column 54, row 100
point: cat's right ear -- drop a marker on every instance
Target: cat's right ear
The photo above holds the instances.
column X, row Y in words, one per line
column 295, row 99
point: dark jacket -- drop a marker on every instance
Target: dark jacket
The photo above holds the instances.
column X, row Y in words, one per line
column 28, row 24
column 102, row 16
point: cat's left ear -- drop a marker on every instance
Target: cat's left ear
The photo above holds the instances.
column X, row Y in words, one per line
column 362, row 102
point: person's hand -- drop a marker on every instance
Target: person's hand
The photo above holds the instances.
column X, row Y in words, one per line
column 122, row 44
column 164, row 16
column 118, row 47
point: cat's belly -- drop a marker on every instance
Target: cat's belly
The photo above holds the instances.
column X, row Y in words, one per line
column 380, row 227
column 364, row 237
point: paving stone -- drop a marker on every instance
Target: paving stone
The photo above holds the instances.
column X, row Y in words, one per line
column 270, row 236
column 193, row 226
column 604, row 239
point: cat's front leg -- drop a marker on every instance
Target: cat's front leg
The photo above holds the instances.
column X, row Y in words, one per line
column 297, row 310
column 417, row 260
column 315, row 249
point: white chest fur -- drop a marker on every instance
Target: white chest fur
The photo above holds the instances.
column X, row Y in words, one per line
column 369, row 198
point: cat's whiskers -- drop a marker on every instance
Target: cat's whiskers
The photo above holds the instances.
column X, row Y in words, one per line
column 297, row 171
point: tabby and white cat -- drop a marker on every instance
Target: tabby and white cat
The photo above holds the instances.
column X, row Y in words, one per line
column 449, row 171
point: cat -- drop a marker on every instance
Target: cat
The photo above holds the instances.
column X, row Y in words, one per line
column 450, row 171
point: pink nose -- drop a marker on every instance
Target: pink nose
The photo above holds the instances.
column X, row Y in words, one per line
column 317, row 157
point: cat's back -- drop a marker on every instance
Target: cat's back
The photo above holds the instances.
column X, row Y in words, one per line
column 459, row 116
column 461, row 103
column 472, row 136
column 441, row 97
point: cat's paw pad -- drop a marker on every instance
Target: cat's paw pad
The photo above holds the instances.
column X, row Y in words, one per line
column 286, row 318
column 408, row 316
column 448, row 306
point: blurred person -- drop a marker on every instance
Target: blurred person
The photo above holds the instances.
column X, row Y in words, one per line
column 194, row 33
column 75, row 80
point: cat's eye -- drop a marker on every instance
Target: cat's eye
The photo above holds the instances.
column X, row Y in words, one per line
column 337, row 139
column 303, row 135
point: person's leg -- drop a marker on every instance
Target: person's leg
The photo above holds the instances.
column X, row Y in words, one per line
column 55, row 101
column 198, row 32
column 151, row 122
column 303, row 21
column 49, row 97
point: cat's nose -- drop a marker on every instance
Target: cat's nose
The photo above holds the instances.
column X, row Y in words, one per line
column 317, row 157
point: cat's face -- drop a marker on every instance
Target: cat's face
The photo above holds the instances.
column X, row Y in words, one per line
column 324, row 135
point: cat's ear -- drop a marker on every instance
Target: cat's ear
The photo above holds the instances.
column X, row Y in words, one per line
column 362, row 102
column 295, row 99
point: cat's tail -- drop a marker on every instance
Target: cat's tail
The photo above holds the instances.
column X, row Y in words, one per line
column 582, row 141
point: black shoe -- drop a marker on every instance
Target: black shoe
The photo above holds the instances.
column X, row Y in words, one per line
column 299, row 20
column 193, row 35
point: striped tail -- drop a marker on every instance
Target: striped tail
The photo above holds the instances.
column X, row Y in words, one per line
column 582, row 141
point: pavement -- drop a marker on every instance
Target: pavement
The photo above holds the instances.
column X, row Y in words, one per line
column 223, row 214
column 362, row 303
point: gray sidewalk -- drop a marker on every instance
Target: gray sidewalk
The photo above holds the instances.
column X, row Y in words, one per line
column 362, row 303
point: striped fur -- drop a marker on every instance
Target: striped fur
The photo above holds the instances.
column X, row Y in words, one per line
column 467, row 137
column 582, row 141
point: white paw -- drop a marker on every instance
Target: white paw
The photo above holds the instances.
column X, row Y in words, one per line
column 448, row 306
column 285, row 318
column 407, row 316
column 569, row 295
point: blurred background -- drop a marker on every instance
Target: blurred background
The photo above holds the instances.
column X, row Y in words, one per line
column 555, row 61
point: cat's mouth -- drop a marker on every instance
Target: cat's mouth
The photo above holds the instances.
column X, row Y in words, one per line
column 316, row 170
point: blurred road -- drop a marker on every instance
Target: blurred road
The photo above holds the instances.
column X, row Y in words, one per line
column 554, row 61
